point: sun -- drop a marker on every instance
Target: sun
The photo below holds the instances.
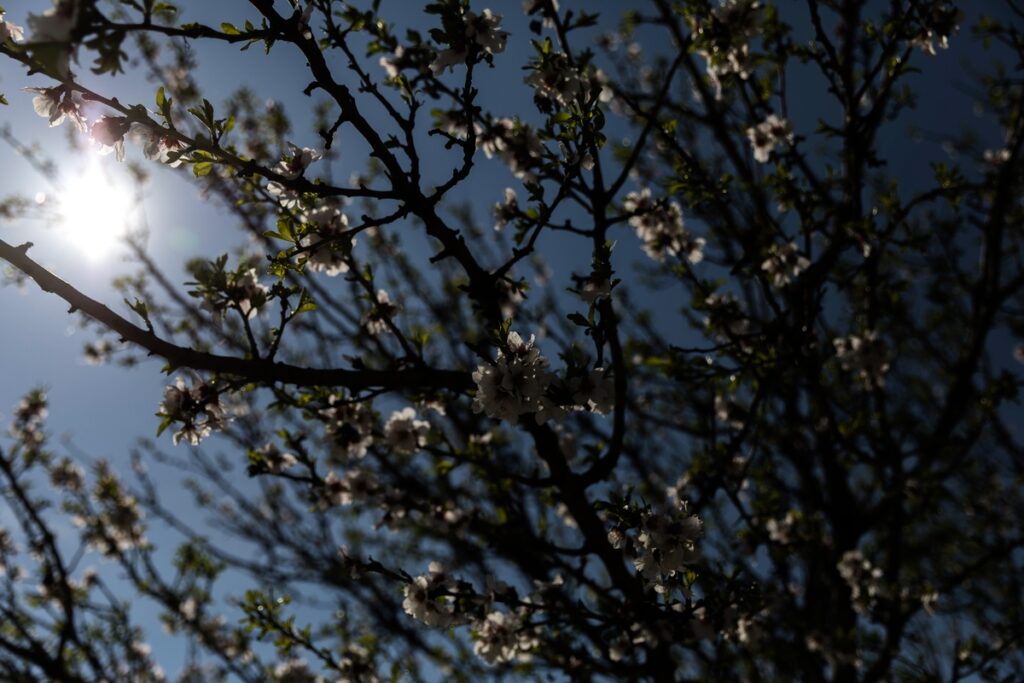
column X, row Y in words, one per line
column 94, row 210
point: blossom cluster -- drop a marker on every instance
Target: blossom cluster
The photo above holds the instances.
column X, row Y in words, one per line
column 515, row 384
column 769, row 134
column 28, row 419
column 867, row 355
column 441, row 601
column 197, row 407
column 328, row 244
column 481, row 32
column 723, row 40
column 659, row 225
column 784, row 263
column 515, row 143
column 115, row 525
column 349, row 425
column 377, row 320
column 555, row 77
column 662, row 544
column 863, row 578
column 241, row 291
column 10, row 32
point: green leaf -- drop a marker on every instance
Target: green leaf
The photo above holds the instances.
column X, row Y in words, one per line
column 203, row 168
column 306, row 303
column 229, row 29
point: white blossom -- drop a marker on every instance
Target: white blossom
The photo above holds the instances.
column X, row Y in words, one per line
column 295, row 671
column 556, row 78
column 784, row 263
column 668, row 544
column 507, row 210
column 109, row 131
column 156, row 146
column 10, row 32
column 501, row 637
column 724, row 40
column 55, row 26
column 659, row 225
column 867, row 355
column 293, row 166
column 769, row 134
column 863, row 578
column 594, row 391
column 67, row 476
column 57, row 103
column 356, row 484
column 349, row 427
column 515, row 383
column 515, row 143
column 375, row 321
column 594, row 288
column 327, row 247
column 484, row 30
column 404, row 433
column 430, row 599
column 187, row 405
column 275, row 459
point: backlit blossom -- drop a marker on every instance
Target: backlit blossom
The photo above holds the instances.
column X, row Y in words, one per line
column 659, row 225
column 867, row 355
column 349, row 427
column 941, row 22
column 246, row 292
column 429, row 598
column 375, row 321
column 555, row 77
column 667, row 543
column 197, row 408
column 485, row 31
column 10, row 32
column 53, row 28
column 55, row 24
column 109, row 131
column 769, row 134
column 295, row 671
column 507, row 210
column 293, row 166
column 274, row 459
column 863, row 578
column 404, row 433
column 502, row 637
column 594, row 391
column 57, row 103
column 513, row 142
column 156, row 146
column 545, row 8
column 329, row 245
column 515, row 383
column 724, row 40
column 355, row 485
column 594, row 288
column 482, row 30
column 784, row 263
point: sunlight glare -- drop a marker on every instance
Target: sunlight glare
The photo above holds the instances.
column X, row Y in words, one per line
column 95, row 212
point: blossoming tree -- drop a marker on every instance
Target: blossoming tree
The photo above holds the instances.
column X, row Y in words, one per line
column 433, row 453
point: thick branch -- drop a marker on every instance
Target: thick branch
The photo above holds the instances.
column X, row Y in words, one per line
column 254, row 370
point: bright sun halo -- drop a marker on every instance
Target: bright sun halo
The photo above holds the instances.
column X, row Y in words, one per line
column 94, row 212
